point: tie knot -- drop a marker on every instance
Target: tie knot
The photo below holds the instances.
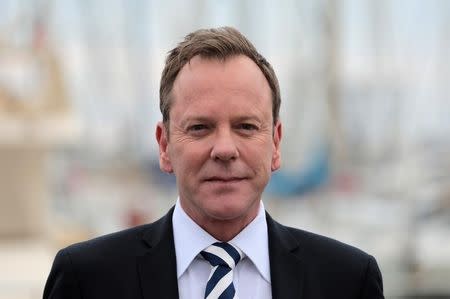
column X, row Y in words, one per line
column 222, row 254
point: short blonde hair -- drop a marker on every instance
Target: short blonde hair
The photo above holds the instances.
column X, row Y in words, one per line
column 215, row 43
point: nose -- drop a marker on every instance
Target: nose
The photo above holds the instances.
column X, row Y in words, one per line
column 224, row 147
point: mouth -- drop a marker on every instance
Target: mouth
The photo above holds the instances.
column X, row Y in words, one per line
column 224, row 179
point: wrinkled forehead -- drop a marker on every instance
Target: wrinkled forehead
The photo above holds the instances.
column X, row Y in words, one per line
column 236, row 72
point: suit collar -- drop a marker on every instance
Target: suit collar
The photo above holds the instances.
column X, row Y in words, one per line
column 158, row 271
column 157, row 268
column 286, row 268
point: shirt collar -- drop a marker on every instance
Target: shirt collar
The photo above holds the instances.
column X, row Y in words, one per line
column 190, row 239
column 253, row 241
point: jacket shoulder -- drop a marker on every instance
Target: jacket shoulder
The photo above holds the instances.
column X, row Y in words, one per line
column 323, row 245
column 133, row 242
column 315, row 249
column 106, row 266
column 329, row 262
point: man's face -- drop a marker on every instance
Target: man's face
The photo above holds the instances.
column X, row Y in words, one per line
column 222, row 145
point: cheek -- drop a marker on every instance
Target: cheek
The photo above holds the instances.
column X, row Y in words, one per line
column 186, row 160
column 263, row 153
column 260, row 160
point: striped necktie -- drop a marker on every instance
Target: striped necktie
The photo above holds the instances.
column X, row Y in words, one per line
column 223, row 257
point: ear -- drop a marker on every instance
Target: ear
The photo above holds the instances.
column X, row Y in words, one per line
column 276, row 155
column 162, row 139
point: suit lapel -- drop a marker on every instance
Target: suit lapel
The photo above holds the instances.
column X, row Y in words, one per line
column 158, row 272
column 286, row 269
column 157, row 269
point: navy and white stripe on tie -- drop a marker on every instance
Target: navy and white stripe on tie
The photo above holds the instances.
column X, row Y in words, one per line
column 223, row 257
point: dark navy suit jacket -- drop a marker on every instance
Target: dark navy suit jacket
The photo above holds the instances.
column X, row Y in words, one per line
column 140, row 263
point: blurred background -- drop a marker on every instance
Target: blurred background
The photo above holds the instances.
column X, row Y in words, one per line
column 366, row 112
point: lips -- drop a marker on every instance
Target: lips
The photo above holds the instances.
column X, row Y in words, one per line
column 224, row 179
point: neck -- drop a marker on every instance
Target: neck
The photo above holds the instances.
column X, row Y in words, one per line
column 223, row 230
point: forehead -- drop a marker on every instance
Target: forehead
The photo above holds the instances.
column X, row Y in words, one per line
column 208, row 75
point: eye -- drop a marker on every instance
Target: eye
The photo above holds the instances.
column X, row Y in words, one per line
column 248, row 127
column 197, row 127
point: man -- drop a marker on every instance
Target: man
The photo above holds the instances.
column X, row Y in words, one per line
column 220, row 136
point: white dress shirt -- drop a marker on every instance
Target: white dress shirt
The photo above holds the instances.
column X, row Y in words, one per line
column 251, row 277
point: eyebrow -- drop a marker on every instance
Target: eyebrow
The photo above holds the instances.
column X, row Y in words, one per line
column 248, row 118
column 195, row 119
column 207, row 119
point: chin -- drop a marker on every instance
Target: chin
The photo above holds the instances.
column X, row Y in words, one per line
column 231, row 211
